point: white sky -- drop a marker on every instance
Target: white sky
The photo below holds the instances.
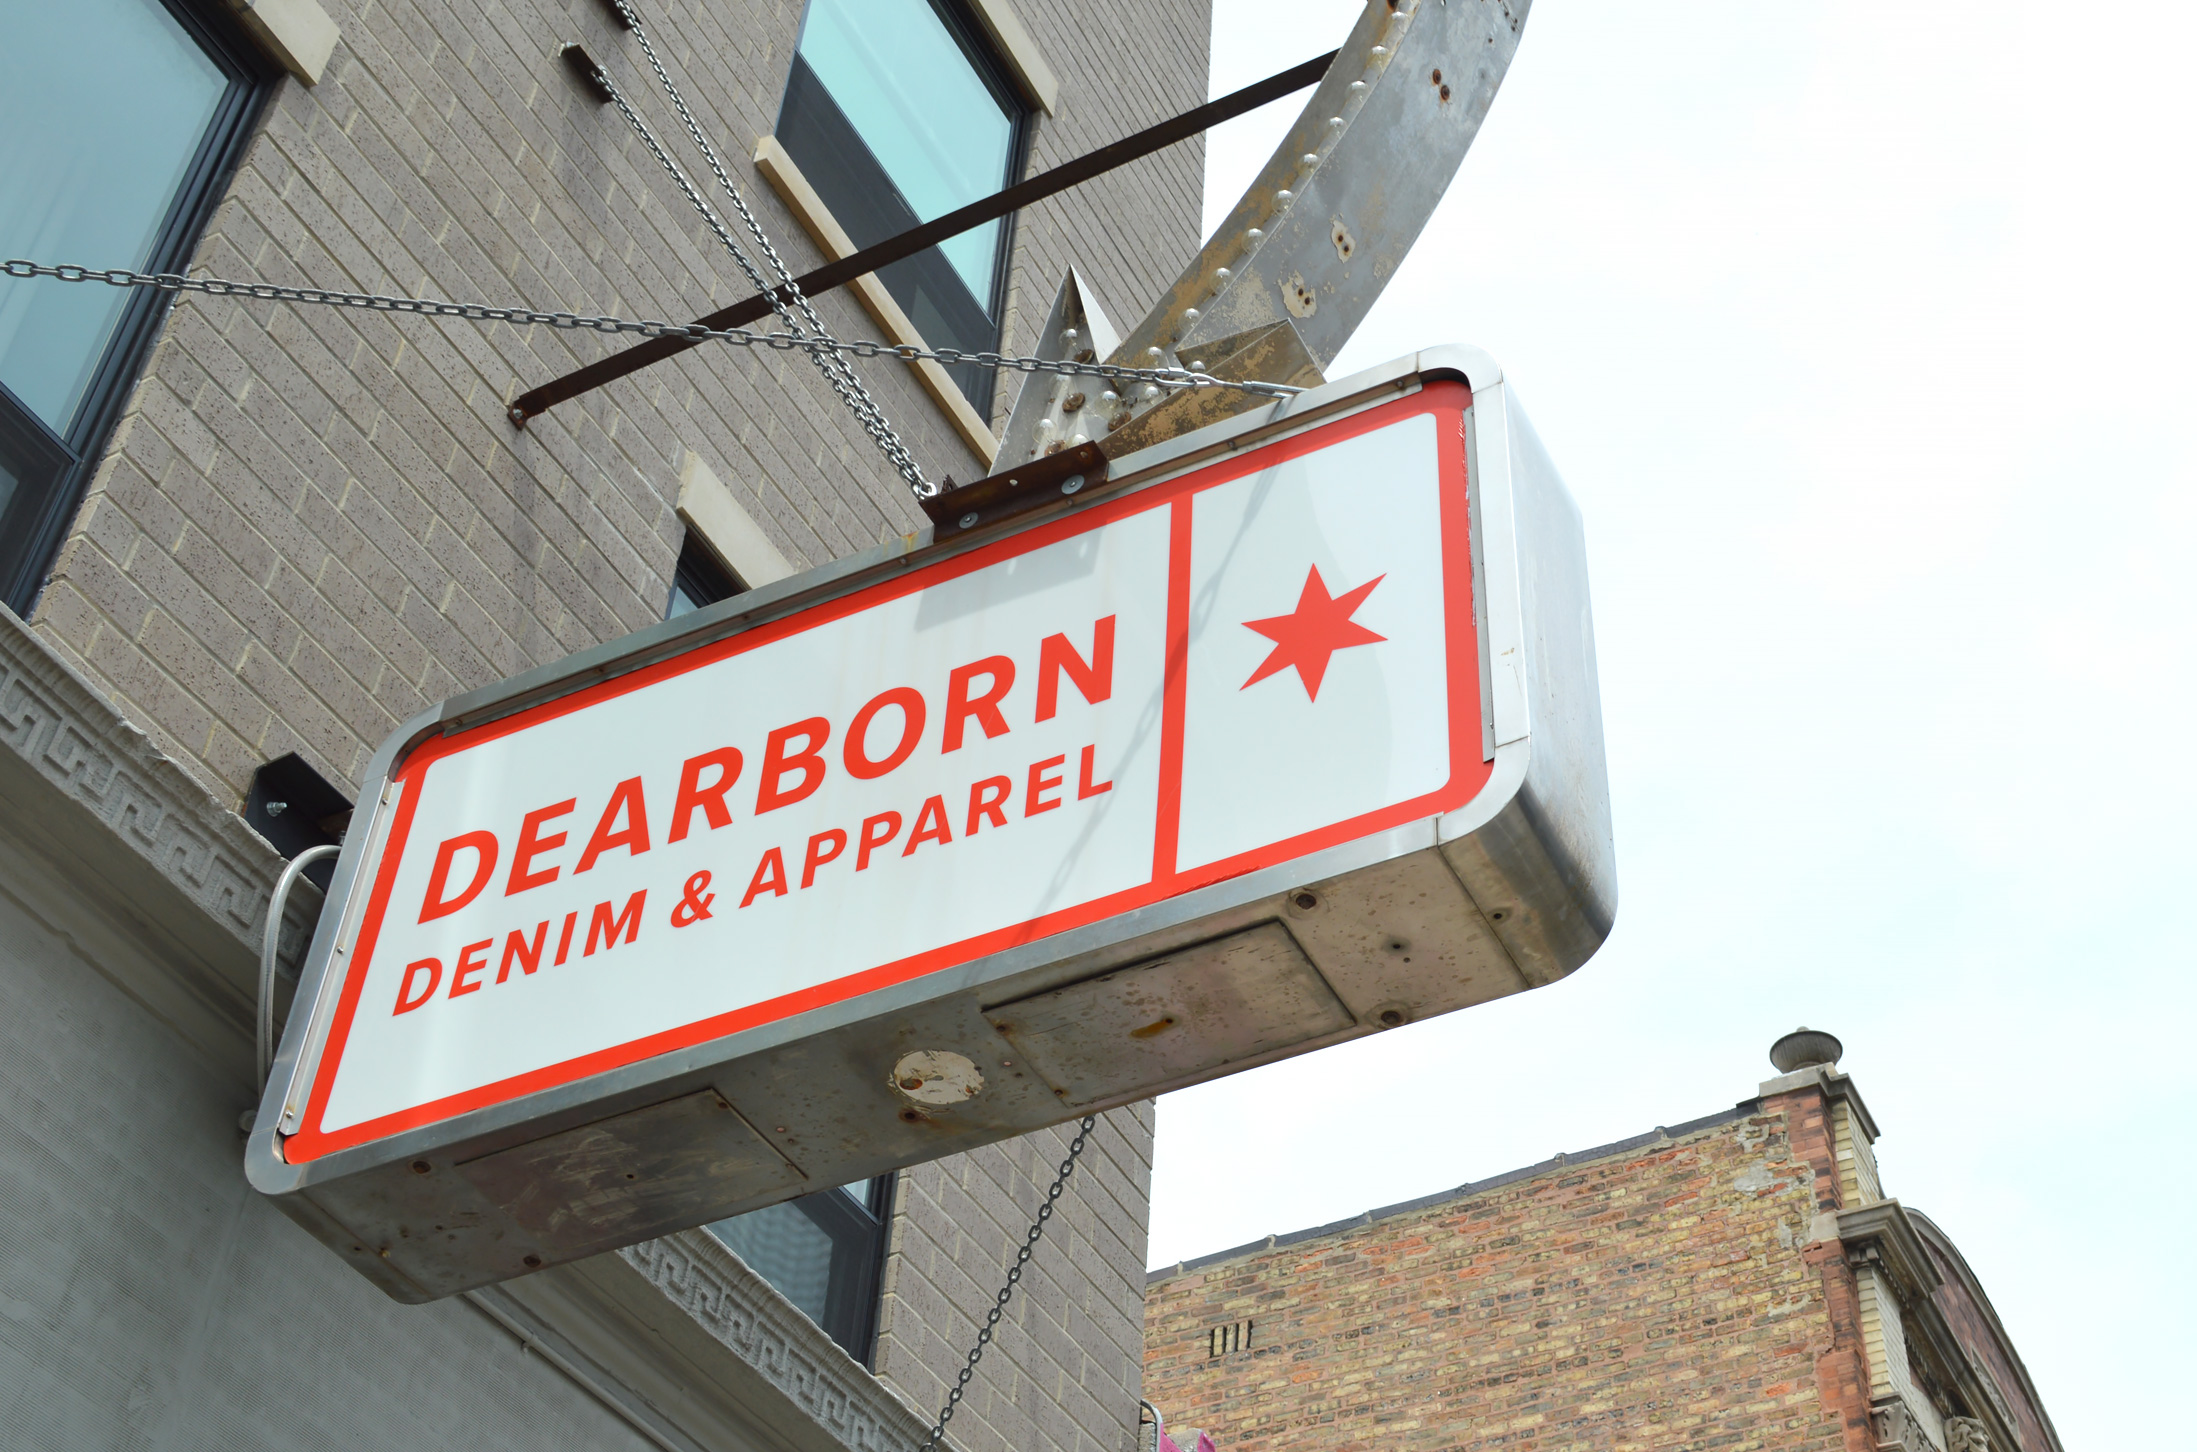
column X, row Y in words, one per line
column 1864, row 338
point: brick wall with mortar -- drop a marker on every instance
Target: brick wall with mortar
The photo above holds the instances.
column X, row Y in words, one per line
column 1661, row 1293
column 1065, row 1370
column 312, row 524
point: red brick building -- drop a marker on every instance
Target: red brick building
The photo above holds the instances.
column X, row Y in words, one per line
column 1737, row 1282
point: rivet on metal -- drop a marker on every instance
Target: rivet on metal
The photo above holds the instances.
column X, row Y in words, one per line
column 968, row 521
column 1071, row 484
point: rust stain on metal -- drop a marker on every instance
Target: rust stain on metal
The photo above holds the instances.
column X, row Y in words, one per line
column 1298, row 298
column 1345, row 244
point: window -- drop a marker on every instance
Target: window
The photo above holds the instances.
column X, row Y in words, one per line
column 123, row 119
column 824, row 1253
column 698, row 579
column 897, row 113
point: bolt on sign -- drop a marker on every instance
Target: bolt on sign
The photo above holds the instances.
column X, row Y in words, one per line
column 1284, row 734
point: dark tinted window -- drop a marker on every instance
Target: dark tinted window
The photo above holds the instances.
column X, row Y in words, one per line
column 121, row 119
column 698, row 579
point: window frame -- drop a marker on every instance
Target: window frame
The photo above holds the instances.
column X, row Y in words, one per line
column 700, row 576
column 46, row 504
column 998, row 77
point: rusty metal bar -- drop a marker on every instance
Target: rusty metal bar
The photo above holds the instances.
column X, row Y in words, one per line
column 930, row 234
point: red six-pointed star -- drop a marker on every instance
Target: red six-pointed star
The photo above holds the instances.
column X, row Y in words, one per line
column 1320, row 626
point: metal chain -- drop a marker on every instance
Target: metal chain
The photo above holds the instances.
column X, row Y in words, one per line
column 1014, row 1278
column 693, row 332
column 835, row 368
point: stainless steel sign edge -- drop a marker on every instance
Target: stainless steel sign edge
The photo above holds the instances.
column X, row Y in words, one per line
column 1508, row 890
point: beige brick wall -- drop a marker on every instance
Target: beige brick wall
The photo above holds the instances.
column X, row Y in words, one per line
column 1661, row 1296
column 1064, row 1370
column 312, row 524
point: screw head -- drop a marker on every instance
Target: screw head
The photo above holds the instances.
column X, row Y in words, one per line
column 1071, row 484
column 968, row 521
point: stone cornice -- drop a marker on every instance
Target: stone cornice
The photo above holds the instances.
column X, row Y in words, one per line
column 146, row 836
column 708, row 1283
column 1884, row 1235
column 691, row 1347
column 701, row 1354
column 1881, row 1234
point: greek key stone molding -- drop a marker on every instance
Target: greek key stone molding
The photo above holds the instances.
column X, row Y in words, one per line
column 59, row 724
column 697, row 1274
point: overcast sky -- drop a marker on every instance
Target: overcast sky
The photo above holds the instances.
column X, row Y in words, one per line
column 1863, row 337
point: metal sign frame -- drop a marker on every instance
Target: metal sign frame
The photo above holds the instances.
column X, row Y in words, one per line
column 1504, row 883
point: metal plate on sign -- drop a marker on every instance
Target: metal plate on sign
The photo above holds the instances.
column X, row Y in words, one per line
column 1175, row 1017
column 601, row 1184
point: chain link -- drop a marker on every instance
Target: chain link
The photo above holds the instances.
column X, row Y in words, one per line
column 1007, row 1291
column 834, row 366
column 176, row 282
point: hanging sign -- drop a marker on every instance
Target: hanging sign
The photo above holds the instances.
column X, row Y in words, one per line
column 945, row 814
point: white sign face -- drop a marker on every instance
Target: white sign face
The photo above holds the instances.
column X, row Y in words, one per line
column 1216, row 674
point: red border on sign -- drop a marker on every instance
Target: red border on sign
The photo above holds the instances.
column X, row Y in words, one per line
column 1468, row 771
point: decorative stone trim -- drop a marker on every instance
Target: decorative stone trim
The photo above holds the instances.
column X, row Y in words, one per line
column 1966, row 1434
column 1004, row 28
column 699, row 1276
column 296, row 34
column 64, row 729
